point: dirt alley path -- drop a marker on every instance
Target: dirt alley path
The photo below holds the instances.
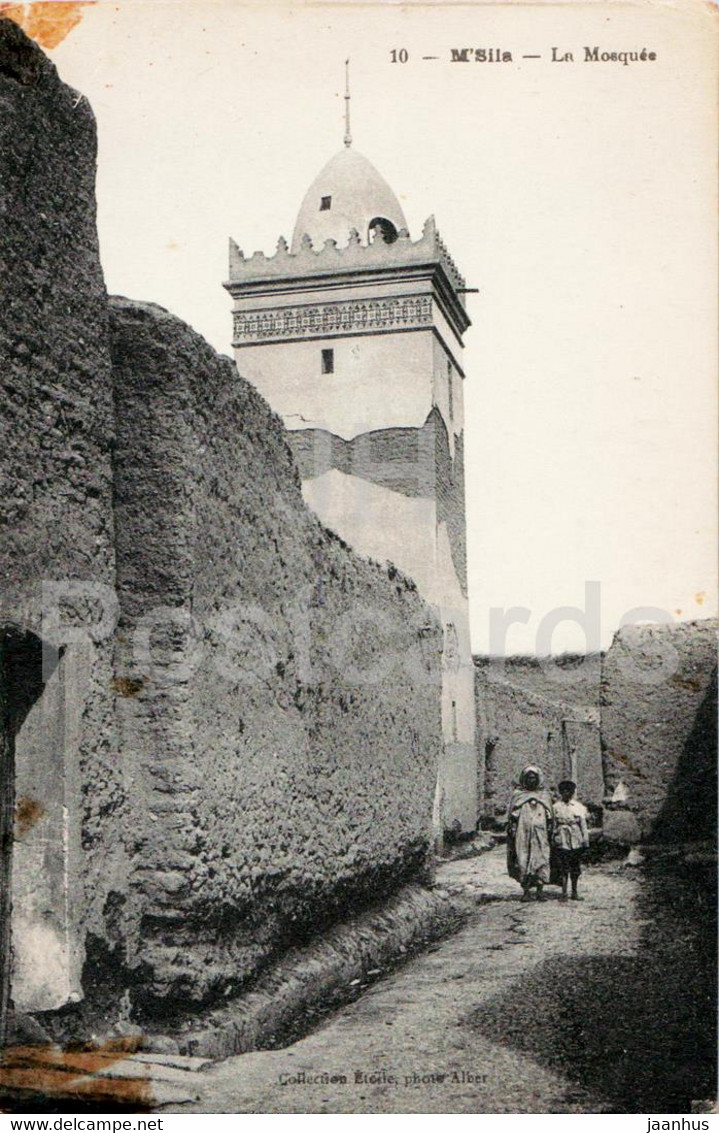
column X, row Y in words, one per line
column 541, row 1008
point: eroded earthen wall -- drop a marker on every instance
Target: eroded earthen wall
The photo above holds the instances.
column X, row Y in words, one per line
column 55, row 522
column 547, row 714
column 284, row 754
column 658, row 723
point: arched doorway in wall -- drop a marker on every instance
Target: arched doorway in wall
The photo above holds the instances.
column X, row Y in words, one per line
column 38, row 824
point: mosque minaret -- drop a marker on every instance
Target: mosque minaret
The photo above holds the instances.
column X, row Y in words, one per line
column 353, row 334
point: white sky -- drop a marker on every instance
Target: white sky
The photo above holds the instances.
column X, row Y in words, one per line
column 579, row 198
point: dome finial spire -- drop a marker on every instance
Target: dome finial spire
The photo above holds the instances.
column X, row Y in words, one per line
column 348, row 136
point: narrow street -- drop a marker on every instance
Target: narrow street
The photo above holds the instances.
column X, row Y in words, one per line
column 603, row 1005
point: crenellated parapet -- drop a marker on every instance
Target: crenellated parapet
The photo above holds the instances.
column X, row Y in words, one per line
column 447, row 262
column 330, row 258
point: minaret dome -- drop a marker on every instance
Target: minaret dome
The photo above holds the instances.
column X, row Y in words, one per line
column 348, row 194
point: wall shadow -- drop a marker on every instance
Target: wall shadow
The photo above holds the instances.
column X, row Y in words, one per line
column 639, row 1029
column 689, row 812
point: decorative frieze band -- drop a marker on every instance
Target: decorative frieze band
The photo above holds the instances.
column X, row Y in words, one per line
column 404, row 312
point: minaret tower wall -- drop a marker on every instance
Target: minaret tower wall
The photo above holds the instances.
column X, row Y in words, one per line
column 359, row 349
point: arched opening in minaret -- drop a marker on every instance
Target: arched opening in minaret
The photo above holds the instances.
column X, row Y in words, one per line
column 381, row 229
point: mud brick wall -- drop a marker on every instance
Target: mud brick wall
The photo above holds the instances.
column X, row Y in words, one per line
column 528, row 715
column 283, row 750
column 658, row 724
column 55, row 501
column 57, row 401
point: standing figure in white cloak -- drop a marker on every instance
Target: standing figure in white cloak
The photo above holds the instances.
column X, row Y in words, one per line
column 529, row 824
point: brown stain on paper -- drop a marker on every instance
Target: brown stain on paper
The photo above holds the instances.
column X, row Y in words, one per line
column 28, row 811
column 48, row 22
column 127, row 686
column 687, row 682
column 55, row 1073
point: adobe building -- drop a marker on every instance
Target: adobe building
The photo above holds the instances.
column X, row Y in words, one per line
column 658, row 705
column 635, row 727
column 60, row 843
column 538, row 710
column 354, row 334
column 194, row 774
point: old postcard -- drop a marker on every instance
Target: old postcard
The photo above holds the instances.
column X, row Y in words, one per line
column 358, row 574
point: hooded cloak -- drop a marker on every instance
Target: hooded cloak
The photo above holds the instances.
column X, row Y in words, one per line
column 528, row 829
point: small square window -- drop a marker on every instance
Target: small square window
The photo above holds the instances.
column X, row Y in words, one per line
column 328, row 361
column 325, row 203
